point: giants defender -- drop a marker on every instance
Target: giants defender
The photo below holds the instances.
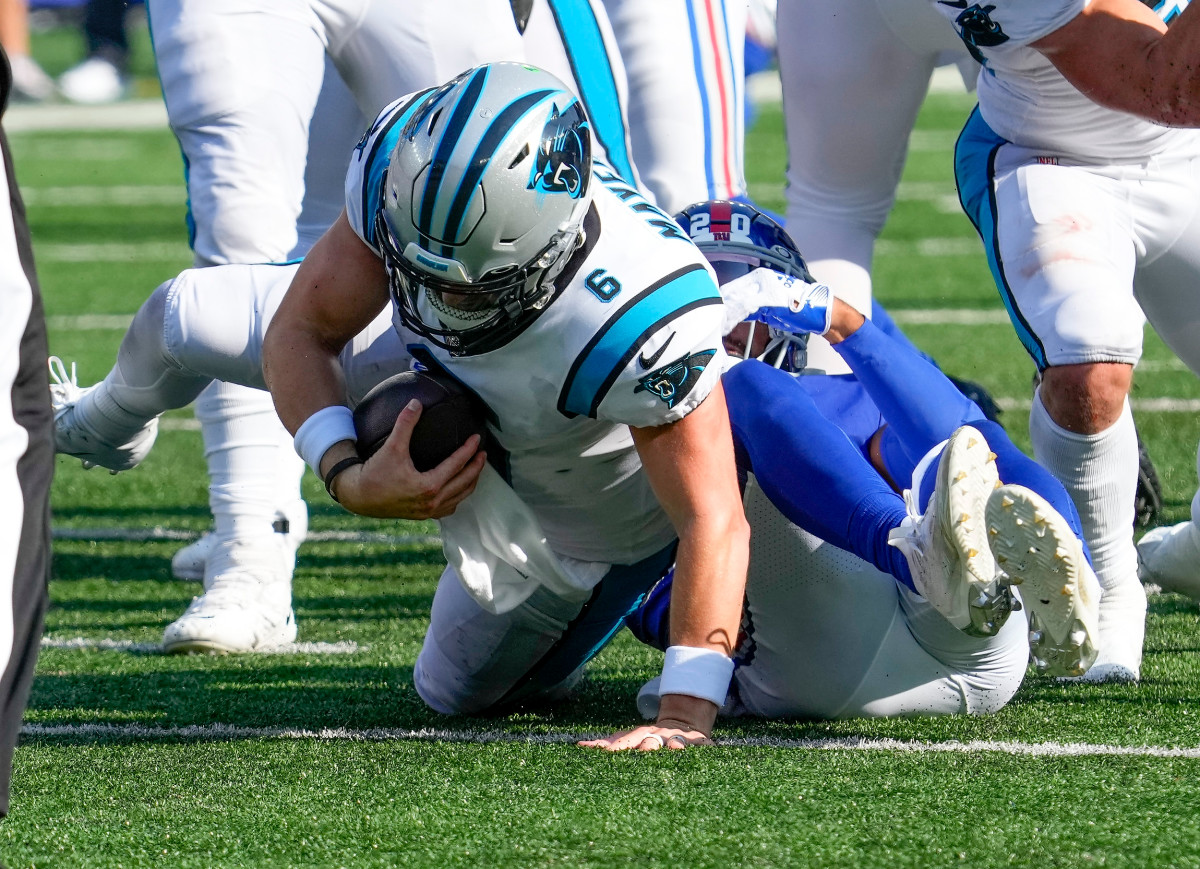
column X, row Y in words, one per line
column 838, row 623
column 1086, row 194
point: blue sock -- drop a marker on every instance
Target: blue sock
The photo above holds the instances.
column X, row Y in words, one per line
column 810, row 469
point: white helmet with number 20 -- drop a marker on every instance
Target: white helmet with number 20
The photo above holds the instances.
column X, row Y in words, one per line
column 484, row 202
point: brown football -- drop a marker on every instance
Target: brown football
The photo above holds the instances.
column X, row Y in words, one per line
column 449, row 416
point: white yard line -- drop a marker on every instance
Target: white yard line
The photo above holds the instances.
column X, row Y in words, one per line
column 125, row 115
column 223, row 732
column 344, row 647
column 118, row 195
column 157, row 532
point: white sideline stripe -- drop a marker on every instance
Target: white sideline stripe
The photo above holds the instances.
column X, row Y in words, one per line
column 89, row 322
column 950, row 317
column 157, row 532
column 161, row 194
column 124, row 115
column 342, row 647
column 218, row 732
column 931, row 247
column 148, row 251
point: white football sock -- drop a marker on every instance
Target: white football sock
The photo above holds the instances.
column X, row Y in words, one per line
column 253, row 468
column 1100, row 472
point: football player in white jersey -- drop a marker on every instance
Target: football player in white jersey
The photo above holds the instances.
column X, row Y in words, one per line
column 825, row 451
column 1086, row 193
column 581, row 316
column 590, row 327
column 257, row 96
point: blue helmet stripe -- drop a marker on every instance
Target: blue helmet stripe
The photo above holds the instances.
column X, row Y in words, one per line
column 492, row 138
column 451, row 131
column 615, row 344
column 588, row 56
column 705, row 110
column 377, row 162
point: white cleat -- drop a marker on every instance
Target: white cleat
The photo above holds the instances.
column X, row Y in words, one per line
column 189, row 563
column 94, row 81
column 246, row 605
column 74, row 437
column 1170, row 559
column 947, row 547
column 1044, row 559
column 1122, row 634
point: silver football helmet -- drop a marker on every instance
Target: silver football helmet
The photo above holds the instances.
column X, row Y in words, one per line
column 484, row 202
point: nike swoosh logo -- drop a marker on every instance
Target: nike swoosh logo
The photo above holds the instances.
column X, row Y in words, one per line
column 647, row 363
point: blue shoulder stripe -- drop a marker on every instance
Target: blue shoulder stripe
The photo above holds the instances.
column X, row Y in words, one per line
column 590, row 64
column 601, row 362
column 500, row 127
column 451, row 131
column 377, row 163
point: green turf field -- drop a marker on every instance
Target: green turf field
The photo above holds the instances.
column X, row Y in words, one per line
column 326, row 757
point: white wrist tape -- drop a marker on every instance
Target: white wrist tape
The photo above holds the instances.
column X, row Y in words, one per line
column 703, row 673
column 323, row 429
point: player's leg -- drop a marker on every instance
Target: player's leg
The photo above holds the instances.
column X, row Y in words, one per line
column 1069, row 294
column 1170, row 556
column 474, row 661
column 851, row 91
column 933, row 540
column 240, row 87
column 683, row 60
column 202, row 325
column 827, row 636
column 26, row 465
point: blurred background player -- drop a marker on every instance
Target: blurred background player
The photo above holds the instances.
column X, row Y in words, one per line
column 26, row 459
column 684, row 63
column 1089, row 211
column 101, row 77
column 29, row 82
column 267, row 103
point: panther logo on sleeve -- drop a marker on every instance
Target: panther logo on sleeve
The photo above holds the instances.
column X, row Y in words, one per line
column 976, row 27
column 673, row 382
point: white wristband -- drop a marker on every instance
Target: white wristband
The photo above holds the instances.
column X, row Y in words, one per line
column 323, row 429
column 703, row 673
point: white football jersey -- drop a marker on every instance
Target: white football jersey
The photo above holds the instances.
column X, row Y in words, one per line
column 632, row 337
column 1025, row 100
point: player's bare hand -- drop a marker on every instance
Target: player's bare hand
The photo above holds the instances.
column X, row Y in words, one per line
column 650, row 737
column 387, row 485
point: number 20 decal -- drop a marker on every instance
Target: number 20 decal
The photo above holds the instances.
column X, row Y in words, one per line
column 602, row 285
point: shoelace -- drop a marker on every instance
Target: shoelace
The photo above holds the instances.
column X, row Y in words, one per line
column 64, row 388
